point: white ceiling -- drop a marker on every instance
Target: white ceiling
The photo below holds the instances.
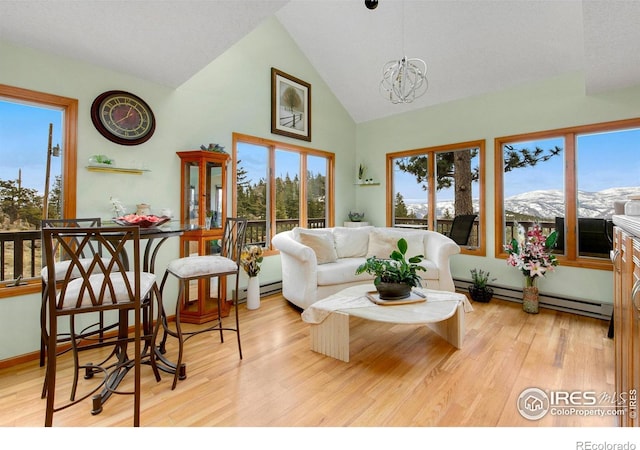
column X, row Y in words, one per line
column 471, row 46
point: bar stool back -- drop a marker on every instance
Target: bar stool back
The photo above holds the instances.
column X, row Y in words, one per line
column 104, row 283
column 61, row 266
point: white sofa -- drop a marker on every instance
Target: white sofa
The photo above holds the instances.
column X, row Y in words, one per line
column 319, row 262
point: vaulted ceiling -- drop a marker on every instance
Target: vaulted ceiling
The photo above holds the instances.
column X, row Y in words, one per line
column 471, row 47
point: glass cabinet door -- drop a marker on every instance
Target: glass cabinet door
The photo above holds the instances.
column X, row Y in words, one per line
column 191, row 192
column 203, row 193
column 214, row 195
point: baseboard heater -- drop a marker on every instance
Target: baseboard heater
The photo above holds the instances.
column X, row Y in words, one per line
column 582, row 307
column 265, row 289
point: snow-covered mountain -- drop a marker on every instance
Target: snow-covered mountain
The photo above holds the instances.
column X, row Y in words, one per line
column 547, row 204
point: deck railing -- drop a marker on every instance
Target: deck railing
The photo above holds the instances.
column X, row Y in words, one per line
column 443, row 225
column 20, row 251
column 20, row 255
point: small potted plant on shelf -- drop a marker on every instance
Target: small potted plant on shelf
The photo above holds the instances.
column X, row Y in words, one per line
column 394, row 276
column 361, row 171
column 479, row 290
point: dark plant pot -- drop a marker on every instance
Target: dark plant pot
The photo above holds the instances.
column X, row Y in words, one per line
column 393, row 291
column 482, row 295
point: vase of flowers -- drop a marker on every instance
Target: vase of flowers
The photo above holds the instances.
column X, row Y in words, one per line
column 250, row 258
column 531, row 254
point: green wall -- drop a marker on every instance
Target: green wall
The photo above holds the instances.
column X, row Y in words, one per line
column 555, row 103
column 232, row 94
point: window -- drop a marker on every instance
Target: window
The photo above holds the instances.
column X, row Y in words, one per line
column 271, row 192
column 567, row 180
column 27, row 178
column 431, row 186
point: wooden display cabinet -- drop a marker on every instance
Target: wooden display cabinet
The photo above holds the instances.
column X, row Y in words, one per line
column 203, row 184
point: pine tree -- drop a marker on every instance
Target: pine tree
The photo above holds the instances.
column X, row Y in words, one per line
column 453, row 169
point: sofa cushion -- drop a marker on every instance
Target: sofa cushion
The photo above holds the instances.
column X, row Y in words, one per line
column 321, row 231
column 351, row 242
column 321, row 244
column 415, row 240
column 341, row 271
column 383, row 241
column 380, row 244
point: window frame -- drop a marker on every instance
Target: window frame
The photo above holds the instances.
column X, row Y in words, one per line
column 304, row 152
column 431, row 152
column 69, row 107
column 570, row 258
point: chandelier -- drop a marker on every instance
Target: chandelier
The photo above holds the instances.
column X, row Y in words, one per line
column 403, row 80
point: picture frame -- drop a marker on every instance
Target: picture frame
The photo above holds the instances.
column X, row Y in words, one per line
column 290, row 106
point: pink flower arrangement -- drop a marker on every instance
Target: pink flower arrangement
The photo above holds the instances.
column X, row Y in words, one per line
column 531, row 254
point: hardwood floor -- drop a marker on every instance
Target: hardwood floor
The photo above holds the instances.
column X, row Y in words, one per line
column 399, row 375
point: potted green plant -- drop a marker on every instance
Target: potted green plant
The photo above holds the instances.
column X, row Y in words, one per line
column 394, row 277
column 479, row 290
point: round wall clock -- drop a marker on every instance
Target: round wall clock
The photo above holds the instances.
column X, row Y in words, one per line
column 122, row 117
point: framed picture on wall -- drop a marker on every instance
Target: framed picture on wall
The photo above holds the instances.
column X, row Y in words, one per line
column 290, row 106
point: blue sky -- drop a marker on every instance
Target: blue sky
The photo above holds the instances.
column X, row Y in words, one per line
column 24, row 139
column 253, row 159
column 605, row 160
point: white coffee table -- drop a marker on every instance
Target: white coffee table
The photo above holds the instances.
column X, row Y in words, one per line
column 443, row 312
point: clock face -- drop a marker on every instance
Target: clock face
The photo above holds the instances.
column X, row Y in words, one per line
column 122, row 117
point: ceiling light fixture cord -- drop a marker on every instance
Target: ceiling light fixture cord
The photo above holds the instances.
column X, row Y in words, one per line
column 405, row 79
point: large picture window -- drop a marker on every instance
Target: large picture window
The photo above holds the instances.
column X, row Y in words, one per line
column 439, row 188
column 567, row 180
column 38, row 178
column 280, row 186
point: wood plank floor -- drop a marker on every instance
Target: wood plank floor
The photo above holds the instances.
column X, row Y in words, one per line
column 398, row 375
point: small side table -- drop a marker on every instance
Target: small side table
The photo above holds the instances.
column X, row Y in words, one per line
column 355, row 224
